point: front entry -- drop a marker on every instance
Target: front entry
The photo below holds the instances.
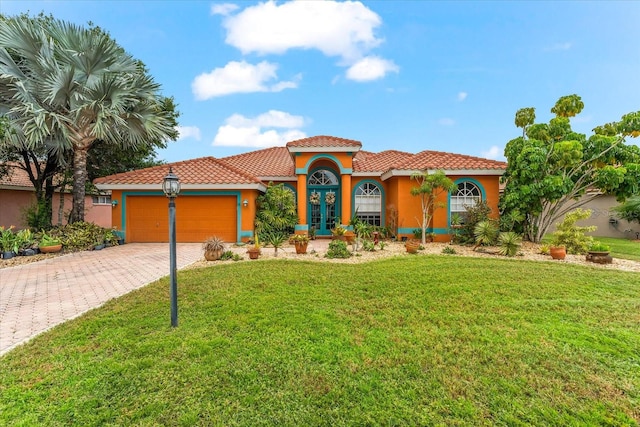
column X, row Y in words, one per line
column 323, row 189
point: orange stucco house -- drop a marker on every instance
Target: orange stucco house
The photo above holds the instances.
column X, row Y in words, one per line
column 331, row 178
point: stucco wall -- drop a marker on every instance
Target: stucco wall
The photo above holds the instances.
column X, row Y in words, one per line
column 14, row 202
column 600, row 216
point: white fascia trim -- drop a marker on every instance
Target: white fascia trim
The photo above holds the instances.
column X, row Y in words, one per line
column 353, row 150
column 365, row 174
column 448, row 172
column 158, row 187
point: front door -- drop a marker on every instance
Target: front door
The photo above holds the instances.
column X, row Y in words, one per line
column 323, row 189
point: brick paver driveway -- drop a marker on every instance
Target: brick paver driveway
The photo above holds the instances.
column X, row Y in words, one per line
column 35, row 297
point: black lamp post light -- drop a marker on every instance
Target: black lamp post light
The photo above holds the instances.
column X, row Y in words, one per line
column 171, row 188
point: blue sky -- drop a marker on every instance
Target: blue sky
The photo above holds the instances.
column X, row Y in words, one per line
column 405, row 75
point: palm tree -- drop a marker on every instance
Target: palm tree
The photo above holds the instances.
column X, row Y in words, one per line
column 74, row 85
column 430, row 187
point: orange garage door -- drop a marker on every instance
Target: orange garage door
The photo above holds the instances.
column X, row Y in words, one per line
column 197, row 217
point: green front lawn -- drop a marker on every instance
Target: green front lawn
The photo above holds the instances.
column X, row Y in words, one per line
column 406, row 341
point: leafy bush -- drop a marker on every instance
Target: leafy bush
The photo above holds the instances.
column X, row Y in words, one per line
column 338, row 249
column 38, row 216
column 276, row 211
column 509, row 243
column 473, row 215
column 82, row 235
column 571, row 236
column 226, row 255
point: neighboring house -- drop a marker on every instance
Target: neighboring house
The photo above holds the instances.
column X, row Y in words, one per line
column 604, row 217
column 331, row 178
column 17, row 195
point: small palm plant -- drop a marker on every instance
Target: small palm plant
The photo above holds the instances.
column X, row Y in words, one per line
column 276, row 239
column 509, row 243
column 485, row 233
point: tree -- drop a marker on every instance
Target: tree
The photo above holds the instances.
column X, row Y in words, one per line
column 71, row 86
column 629, row 210
column 276, row 212
column 551, row 167
column 430, row 187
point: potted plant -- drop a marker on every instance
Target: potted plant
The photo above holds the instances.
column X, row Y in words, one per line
column 213, row 248
column 7, row 242
column 24, row 241
column 599, row 253
column 49, row 244
column 557, row 251
column 412, row 245
column 300, row 241
column 337, row 233
column 254, row 249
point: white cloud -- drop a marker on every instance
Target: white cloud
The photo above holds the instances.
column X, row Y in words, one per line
column 446, row 122
column 344, row 29
column 223, row 9
column 241, row 131
column 493, row 153
column 185, row 132
column 559, row 46
column 240, row 77
column 371, row 68
column 462, row 96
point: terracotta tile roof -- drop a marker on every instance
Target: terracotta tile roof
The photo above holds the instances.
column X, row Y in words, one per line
column 379, row 162
column 270, row 162
column 204, row 170
column 448, row 161
column 324, row 141
column 16, row 177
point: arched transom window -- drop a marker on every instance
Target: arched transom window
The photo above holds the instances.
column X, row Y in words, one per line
column 368, row 203
column 468, row 194
column 323, row 177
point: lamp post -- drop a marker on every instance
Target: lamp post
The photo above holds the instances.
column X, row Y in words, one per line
column 171, row 188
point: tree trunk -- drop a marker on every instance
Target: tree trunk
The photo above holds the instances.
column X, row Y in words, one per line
column 79, row 183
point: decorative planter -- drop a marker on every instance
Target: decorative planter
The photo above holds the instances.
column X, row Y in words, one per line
column 50, row 249
column 557, row 252
column 99, row 247
column 350, row 237
column 213, row 255
column 254, row 253
column 301, row 247
column 7, row 255
column 599, row 257
column 412, row 246
column 339, row 237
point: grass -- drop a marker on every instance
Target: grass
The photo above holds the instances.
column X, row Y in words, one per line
column 427, row 340
column 622, row 248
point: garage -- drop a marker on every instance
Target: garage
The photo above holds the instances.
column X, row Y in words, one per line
column 197, row 218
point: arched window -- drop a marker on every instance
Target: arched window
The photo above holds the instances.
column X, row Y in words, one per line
column 323, row 177
column 368, row 203
column 468, row 194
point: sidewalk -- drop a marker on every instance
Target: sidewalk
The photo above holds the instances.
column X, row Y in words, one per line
column 38, row 296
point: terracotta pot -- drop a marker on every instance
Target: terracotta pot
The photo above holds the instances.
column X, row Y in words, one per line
column 412, row 246
column 557, row 252
column 301, row 247
column 212, row 255
column 350, row 237
column 254, row 253
column 50, row 249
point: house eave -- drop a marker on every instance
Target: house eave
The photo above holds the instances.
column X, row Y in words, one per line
column 448, row 172
column 323, row 149
column 158, row 187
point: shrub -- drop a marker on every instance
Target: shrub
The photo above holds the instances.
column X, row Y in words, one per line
column 509, row 243
column 368, row 246
column 226, row 255
column 449, row 250
column 571, row 236
column 338, row 249
column 276, row 211
column 472, row 216
column 485, row 232
column 599, row 247
column 81, row 235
